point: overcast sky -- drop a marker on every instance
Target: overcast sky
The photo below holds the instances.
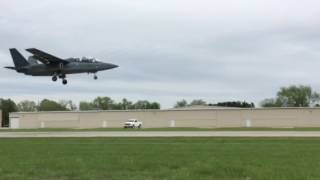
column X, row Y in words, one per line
column 167, row 50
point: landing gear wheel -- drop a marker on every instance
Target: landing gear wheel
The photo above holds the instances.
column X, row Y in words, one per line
column 54, row 78
column 95, row 77
column 62, row 76
column 64, row 81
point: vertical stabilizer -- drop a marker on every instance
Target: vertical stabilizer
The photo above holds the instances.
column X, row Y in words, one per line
column 18, row 59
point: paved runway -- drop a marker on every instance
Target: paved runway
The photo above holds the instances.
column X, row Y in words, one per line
column 162, row 134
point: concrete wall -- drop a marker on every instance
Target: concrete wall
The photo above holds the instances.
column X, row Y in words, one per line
column 0, row 118
column 203, row 118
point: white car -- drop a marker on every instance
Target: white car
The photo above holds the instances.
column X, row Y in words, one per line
column 132, row 123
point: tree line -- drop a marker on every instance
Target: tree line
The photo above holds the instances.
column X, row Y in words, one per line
column 291, row 96
column 200, row 102
column 99, row 103
column 106, row 103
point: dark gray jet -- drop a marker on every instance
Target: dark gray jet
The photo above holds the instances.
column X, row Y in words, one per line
column 53, row 66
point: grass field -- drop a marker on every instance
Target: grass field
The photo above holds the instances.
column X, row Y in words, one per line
column 162, row 129
column 160, row 158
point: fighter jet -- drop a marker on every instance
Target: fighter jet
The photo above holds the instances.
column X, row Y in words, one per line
column 54, row 66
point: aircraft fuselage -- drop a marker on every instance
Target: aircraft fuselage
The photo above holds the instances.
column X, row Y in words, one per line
column 54, row 66
column 70, row 68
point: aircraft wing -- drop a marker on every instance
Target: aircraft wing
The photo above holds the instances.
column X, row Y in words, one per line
column 46, row 58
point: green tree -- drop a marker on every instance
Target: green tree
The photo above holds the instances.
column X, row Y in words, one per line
column 198, row 102
column 154, row 105
column 293, row 96
column 270, row 102
column 7, row 106
column 49, row 105
column 180, row 104
column 297, row 96
column 27, row 106
column 141, row 104
column 85, row 106
column 240, row 104
column 125, row 104
column 144, row 104
column 103, row 103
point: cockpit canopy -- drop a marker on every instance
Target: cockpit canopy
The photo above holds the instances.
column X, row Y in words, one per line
column 83, row 59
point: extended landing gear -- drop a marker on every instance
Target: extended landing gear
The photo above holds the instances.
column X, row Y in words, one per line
column 61, row 76
column 54, row 78
column 64, row 81
column 95, row 77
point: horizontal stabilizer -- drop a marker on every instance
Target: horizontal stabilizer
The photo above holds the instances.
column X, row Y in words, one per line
column 9, row 67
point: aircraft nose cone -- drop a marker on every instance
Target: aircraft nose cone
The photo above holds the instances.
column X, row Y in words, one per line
column 113, row 66
column 109, row 66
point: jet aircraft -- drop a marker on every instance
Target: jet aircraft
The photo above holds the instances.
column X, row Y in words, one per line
column 54, row 66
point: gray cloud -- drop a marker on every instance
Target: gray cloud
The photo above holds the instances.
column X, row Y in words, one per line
column 167, row 50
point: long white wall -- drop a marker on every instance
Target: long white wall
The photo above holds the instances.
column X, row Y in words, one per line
column 203, row 118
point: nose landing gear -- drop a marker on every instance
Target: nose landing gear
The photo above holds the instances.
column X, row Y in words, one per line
column 95, row 77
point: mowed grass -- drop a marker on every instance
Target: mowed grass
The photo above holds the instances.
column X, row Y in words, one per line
column 160, row 158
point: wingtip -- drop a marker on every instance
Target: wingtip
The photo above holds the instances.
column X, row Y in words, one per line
column 9, row 67
column 31, row 50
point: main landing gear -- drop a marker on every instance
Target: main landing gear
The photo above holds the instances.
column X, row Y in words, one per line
column 61, row 76
column 54, row 78
column 64, row 81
